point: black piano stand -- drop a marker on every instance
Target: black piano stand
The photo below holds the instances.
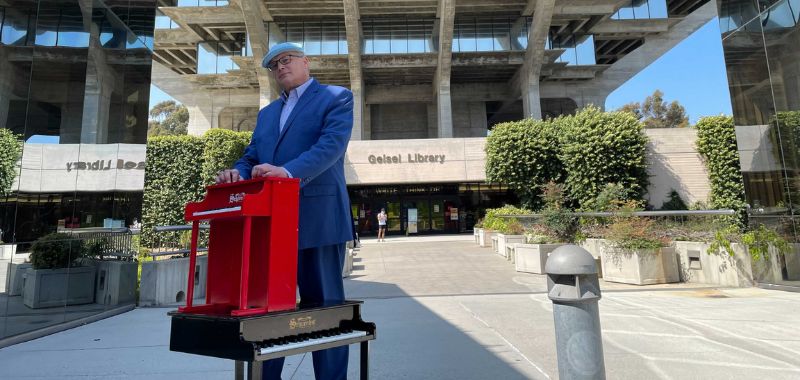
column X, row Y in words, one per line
column 254, row 368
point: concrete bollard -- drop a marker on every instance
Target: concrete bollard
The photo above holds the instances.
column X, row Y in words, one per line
column 574, row 288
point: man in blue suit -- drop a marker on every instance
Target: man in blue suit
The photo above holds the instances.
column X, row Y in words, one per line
column 304, row 134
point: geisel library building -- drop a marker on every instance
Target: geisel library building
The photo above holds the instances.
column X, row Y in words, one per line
column 430, row 79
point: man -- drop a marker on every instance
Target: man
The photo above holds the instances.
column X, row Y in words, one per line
column 304, row 134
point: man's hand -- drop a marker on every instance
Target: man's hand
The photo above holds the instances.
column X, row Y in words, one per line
column 267, row 170
column 228, row 176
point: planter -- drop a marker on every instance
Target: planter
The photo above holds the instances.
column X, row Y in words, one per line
column 792, row 261
column 504, row 241
column 115, row 283
column 720, row 268
column 485, row 237
column 531, row 258
column 7, row 251
column 640, row 267
column 58, row 287
column 14, row 280
column 164, row 281
column 476, row 232
column 347, row 270
column 495, row 246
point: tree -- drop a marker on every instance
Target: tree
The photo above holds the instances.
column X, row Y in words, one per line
column 654, row 112
column 10, row 153
column 168, row 118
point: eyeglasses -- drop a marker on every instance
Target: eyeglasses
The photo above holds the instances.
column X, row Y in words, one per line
column 272, row 66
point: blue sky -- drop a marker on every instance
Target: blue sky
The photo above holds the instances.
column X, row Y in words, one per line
column 693, row 73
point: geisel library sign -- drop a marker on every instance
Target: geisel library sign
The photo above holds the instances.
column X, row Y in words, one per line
column 415, row 161
column 82, row 167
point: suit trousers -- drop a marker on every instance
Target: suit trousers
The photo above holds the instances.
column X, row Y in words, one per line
column 319, row 278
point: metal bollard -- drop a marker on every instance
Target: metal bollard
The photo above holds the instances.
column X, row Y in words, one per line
column 573, row 287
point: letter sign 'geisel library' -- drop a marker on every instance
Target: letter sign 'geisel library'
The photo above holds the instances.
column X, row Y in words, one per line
column 411, row 158
column 105, row 165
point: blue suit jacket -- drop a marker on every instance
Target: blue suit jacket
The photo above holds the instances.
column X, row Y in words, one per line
column 311, row 147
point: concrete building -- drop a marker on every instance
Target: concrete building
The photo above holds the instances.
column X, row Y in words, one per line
column 429, row 78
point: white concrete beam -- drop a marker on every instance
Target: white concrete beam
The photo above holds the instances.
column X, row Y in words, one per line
column 251, row 11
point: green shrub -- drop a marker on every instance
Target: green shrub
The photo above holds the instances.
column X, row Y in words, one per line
column 173, row 177
column 598, row 148
column 54, row 251
column 222, row 147
column 493, row 221
column 716, row 143
column 631, row 232
column 557, row 224
column 10, row 153
column 523, row 155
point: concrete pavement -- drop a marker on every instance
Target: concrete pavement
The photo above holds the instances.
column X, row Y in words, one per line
column 447, row 309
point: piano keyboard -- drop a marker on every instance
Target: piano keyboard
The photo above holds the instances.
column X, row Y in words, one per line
column 307, row 340
column 217, row 211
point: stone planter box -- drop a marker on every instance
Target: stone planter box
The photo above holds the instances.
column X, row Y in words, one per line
column 504, row 241
column 485, row 237
column 698, row 266
column 476, row 232
column 495, row 245
column 115, row 283
column 164, row 281
column 15, row 275
column 640, row 267
column 7, row 251
column 531, row 258
column 58, row 287
column 347, row 270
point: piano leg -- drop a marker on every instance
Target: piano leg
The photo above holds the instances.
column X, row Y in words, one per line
column 238, row 370
column 254, row 370
column 365, row 360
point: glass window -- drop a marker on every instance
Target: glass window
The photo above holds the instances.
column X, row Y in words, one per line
column 382, row 38
column 501, row 34
column 330, row 39
column 399, row 38
column 312, row 37
column 207, row 58
column 484, row 39
column 16, row 24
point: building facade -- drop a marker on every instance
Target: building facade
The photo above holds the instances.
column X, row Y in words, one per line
column 429, row 78
column 761, row 40
column 74, row 85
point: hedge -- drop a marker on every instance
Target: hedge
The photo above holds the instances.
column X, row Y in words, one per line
column 523, row 155
column 493, row 221
column 178, row 169
column 10, row 153
column 716, row 143
column 600, row 148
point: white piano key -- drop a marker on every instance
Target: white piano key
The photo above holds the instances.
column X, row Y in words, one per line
column 311, row 342
column 217, row 211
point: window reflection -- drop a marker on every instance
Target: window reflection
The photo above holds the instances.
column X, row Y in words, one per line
column 321, row 37
column 216, row 57
column 642, row 9
column 387, row 36
column 17, row 25
column 61, row 25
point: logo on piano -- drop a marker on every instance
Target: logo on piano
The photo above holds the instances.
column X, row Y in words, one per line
column 301, row 323
column 236, row 198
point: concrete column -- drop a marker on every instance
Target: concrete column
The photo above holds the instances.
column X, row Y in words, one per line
column 101, row 80
column 366, row 123
column 201, row 118
column 255, row 13
column 353, row 30
column 441, row 84
column 534, row 57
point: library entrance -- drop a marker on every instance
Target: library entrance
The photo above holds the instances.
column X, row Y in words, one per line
column 423, row 209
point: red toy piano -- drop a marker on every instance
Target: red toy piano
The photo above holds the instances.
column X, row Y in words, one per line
column 252, row 248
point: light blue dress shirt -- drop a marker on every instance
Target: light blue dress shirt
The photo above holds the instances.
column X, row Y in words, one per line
column 289, row 101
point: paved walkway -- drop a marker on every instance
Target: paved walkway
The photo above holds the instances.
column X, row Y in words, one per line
column 447, row 309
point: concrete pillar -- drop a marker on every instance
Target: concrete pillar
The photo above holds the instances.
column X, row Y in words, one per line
column 255, row 13
column 366, row 123
column 101, row 80
column 6, row 86
column 201, row 118
column 532, row 101
column 353, row 30
column 534, row 58
column 441, row 84
column 444, row 117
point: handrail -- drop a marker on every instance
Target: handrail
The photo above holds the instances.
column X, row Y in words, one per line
column 178, row 228
column 635, row 213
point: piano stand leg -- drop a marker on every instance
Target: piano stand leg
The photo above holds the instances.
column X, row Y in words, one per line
column 364, row 360
column 254, row 370
column 238, row 370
